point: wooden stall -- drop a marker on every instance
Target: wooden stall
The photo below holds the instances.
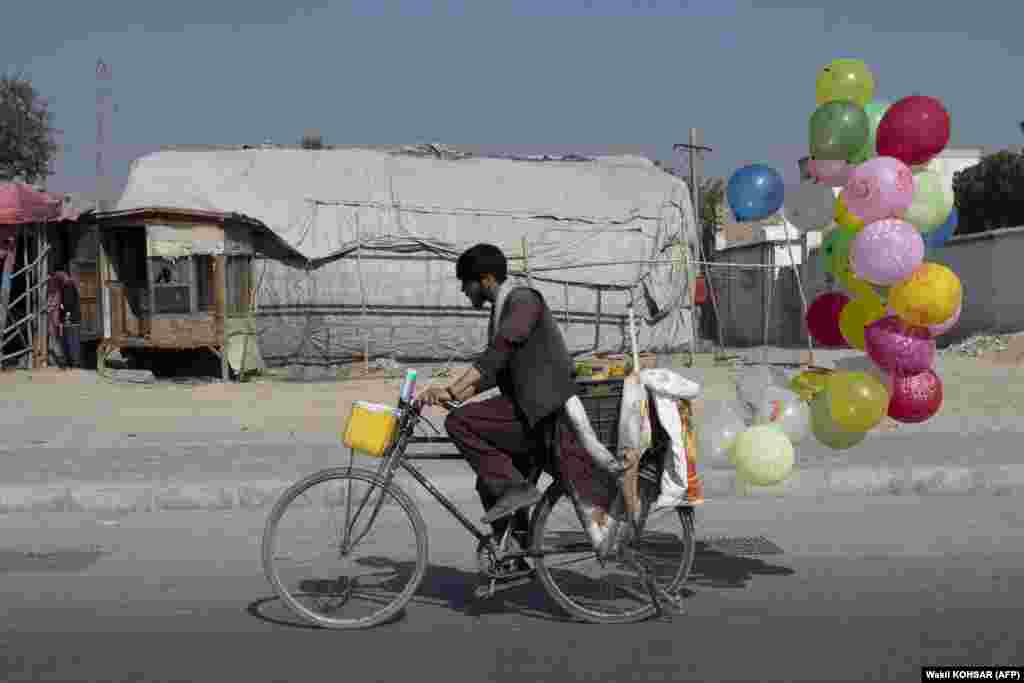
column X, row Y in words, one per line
column 176, row 279
column 39, row 235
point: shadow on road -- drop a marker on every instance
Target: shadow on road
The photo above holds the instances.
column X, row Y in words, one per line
column 715, row 569
column 452, row 588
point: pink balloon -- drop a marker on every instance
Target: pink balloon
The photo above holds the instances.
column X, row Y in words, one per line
column 898, row 347
column 879, row 188
column 887, row 252
column 831, row 172
column 944, row 327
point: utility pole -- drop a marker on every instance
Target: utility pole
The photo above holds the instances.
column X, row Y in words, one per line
column 695, row 150
column 103, row 95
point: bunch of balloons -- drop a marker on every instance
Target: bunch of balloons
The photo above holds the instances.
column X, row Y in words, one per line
column 894, row 208
column 881, row 197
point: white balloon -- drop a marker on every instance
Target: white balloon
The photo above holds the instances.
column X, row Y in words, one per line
column 751, row 383
column 809, row 206
column 785, row 409
column 718, row 424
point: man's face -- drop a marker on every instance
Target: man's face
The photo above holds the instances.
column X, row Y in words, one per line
column 474, row 291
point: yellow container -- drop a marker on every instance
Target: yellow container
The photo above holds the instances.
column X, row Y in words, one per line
column 371, row 427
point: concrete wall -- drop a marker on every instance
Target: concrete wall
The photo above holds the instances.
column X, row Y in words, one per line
column 990, row 267
column 757, row 309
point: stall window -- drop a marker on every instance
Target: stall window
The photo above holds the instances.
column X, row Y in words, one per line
column 172, row 284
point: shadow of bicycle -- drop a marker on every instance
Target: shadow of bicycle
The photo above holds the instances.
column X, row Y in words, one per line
column 713, row 568
column 454, row 589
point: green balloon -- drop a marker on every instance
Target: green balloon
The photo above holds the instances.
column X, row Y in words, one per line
column 835, row 251
column 932, row 202
column 825, row 429
column 875, row 111
column 763, row 455
column 838, row 130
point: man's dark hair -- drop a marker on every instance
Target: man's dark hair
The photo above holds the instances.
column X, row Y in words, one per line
column 479, row 260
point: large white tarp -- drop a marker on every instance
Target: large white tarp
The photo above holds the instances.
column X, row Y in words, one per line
column 382, row 229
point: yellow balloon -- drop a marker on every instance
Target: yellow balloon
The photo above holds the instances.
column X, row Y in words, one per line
column 858, row 314
column 857, row 401
column 845, row 218
column 825, row 429
column 928, row 297
column 845, row 79
column 856, row 286
column 809, row 383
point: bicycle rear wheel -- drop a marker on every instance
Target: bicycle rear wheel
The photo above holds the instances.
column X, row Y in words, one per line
column 344, row 551
column 612, row 592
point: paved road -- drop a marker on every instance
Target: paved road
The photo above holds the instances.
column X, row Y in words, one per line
column 868, row 589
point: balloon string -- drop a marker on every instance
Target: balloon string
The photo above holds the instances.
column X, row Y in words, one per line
column 803, row 297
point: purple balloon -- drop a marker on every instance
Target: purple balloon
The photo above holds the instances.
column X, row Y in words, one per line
column 944, row 327
column 887, row 252
column 898, row 347
column 879, row 188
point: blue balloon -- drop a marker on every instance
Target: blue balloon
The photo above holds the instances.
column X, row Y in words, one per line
column 942, row 234
column 755, row 192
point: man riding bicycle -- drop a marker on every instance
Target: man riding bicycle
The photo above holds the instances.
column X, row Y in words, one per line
column 527, row 358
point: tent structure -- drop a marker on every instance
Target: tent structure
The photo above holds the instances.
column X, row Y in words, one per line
column 381, row 229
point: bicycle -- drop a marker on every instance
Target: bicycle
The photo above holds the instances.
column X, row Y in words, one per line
column 660, row 560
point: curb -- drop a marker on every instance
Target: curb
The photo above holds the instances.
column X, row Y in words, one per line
column 994, row 480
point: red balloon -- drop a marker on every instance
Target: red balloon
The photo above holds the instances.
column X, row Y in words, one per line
column 915, row 398
column 823, row 318
column 913, row 130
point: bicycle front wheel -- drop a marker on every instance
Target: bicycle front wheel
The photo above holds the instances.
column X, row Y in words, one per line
column 609, row 592
column 344, row 551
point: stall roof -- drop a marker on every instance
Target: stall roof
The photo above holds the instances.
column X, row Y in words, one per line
column 20, row 203
column 266, row 240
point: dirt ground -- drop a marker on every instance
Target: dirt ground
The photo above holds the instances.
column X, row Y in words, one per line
column 277, row 404
column 1013, row 355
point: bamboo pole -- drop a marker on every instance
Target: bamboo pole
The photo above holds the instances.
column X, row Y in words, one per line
column 220, row 312
column 30, row 304
column 526, row 262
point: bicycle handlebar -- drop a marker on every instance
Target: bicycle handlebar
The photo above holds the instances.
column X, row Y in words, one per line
column 447, row 405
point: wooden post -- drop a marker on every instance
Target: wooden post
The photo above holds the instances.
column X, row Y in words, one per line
column 249, row 317
column 42, row 297
column 219, row 311
column 691, row 277
column 526, row 263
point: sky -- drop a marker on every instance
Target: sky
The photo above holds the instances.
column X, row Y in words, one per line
column 529, row 76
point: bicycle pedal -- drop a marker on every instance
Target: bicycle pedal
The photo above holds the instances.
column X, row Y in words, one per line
column 511, row 576
column 487, row 590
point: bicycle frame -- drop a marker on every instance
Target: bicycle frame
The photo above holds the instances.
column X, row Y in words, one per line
column 394, row 458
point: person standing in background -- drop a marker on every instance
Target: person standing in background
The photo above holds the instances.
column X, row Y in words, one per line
column 54, row 313
column 71, row 321
column 64, row 320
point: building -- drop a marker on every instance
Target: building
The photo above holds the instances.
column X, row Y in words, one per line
column 181, row 280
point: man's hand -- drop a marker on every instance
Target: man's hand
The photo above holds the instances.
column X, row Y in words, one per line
column 433, row 396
